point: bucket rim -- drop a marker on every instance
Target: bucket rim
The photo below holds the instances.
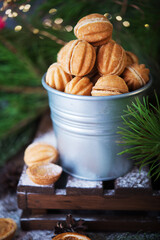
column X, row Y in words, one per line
column 99, row 98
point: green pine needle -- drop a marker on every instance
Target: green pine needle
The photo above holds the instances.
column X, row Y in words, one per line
column 141, row 134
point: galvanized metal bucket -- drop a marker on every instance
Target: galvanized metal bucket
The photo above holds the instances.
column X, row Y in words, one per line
column 86, row 131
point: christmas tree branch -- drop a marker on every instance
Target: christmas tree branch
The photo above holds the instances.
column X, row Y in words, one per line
column 15, row 51
column 20, row 89
column 52, row 37
column 141, row 134
column 8, row 45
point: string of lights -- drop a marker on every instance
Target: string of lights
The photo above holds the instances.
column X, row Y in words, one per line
column 10, row 11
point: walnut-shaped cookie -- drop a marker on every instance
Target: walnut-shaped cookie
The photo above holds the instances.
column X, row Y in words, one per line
column 44, row 174
column 131, row 58
column 56, row 77
column 79, row 86
column 136, row 76
column 109, row 85
column 77, row 57
column 94, row 28
column 39, row 152
column 111, row 59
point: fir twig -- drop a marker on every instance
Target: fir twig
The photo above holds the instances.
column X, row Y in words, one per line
column 24, row 59
column 141, row 134
column 52, row 37
column 20, row 89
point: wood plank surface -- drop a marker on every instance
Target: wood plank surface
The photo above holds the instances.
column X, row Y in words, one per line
column 21, row 200
column 113, row 222
column 134, row 182
column 77, row 186
column 104, row 202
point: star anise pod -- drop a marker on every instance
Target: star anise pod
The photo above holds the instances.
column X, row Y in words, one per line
column 70, row 225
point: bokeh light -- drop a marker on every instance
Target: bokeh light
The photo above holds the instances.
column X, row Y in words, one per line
column 69, row 28
column 21, row 7
column 118, row 18
column 8, row 11
column 14, row 14
column 126, row 24
column 18, row 28
column 146, row 25
column 58, row 20
column 52, row 11
column 35, row 31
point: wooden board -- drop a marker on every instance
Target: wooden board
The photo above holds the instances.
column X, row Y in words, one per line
column 134, row 182
column 129, row 203
column 72, row 193
column 77, row 186
column 103, row 210
column 104, row 221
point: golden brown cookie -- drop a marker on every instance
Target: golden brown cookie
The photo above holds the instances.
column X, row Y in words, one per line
column 7, row 228
column 70, row 236
column 111, row 59
column 40, row 153
column 44, row 174
column 56, row 77
column 109, row 85
column 77, row 57
column 136, row 76
column 131, row 58
column 79, row 86
column 94, row 28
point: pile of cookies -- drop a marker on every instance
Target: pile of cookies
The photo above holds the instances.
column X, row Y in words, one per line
column 94, row 64
column 41, row 159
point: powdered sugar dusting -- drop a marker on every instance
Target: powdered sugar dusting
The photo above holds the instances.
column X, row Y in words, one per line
column 109, row 192
column 79, row 183
column 49, row 170
column 156, row 193
column 134, row 179
column 25, row 181
column 60, row 192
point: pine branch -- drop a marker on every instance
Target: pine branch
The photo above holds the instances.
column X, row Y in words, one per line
column 20, row 89
column 15, row 51
column 16, row 110
column 52, row 37
column 141, row 134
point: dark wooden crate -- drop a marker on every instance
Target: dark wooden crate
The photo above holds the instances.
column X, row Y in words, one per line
column 129, row 203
